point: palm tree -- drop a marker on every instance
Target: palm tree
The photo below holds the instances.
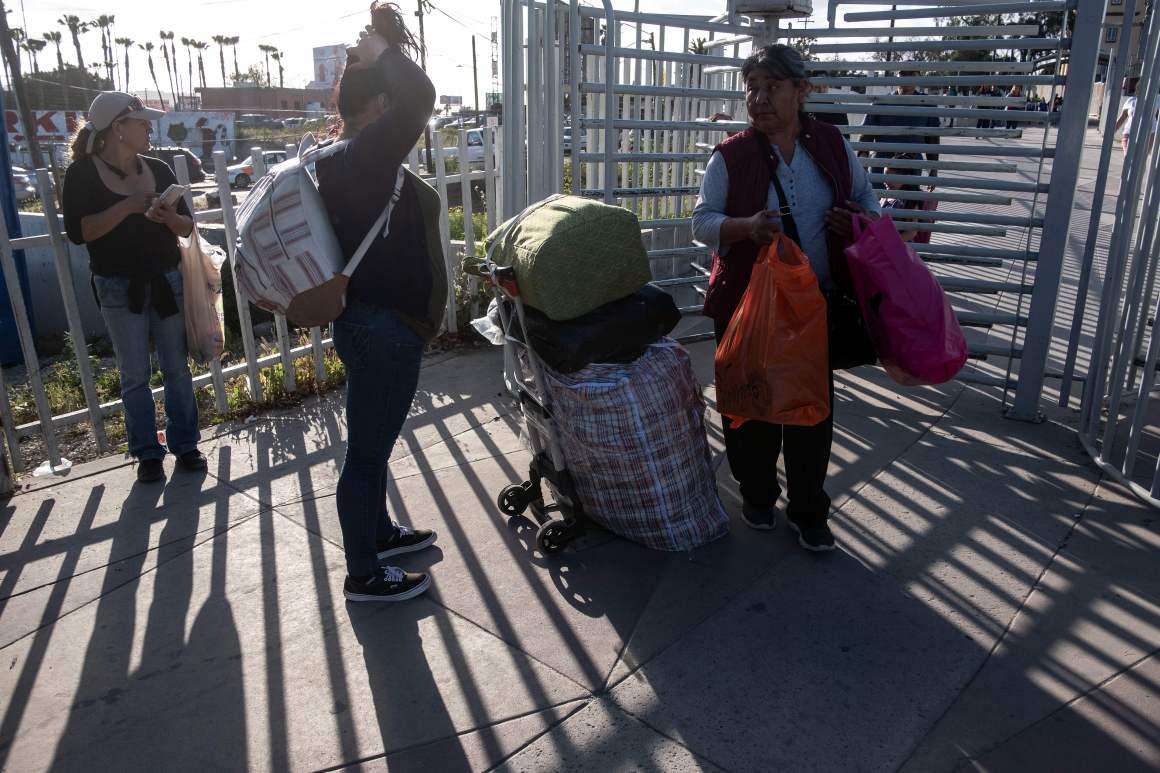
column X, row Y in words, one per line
column 222, row 41
column 200, row 46
column 170, row 66
column 104, row 21
column 76, row 28
column 188, row 43
column 267, row 50
column 54, row 37
column 233, row 43
column 18, row 38
column 127, row 43
column 34, row 47
column 277, row 57
column 148, row 49
column 698, row 47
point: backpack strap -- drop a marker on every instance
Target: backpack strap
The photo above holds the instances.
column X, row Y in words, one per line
column 383, row 223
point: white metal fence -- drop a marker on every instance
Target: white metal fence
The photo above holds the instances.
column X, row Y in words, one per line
column 1006, row 175
column 487, row 171
column 1119, row 421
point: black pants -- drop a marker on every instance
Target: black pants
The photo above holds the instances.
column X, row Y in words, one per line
column 753, row 449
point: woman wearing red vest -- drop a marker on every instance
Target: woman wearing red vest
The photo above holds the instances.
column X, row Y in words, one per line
column 794, row 174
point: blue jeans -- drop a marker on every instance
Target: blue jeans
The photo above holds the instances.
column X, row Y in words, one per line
column 381, row 355
column 130, row 334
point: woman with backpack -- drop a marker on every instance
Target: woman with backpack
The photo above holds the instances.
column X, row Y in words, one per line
column 396, row 297
column 110, row 203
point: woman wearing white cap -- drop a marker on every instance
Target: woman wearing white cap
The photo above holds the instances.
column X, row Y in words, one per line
column 111, row 205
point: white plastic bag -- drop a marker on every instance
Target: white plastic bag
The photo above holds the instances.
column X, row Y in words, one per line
column 201, row 276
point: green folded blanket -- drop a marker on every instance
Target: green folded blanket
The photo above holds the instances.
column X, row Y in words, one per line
column 573, row 255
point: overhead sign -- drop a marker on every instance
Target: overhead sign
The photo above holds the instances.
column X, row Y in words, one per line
column 451, row 101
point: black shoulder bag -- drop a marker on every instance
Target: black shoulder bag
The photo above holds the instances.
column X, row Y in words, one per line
column 850, row 344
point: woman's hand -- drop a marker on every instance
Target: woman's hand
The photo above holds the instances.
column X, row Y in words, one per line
column 137, row 203
column 167, row 215
column 840, row 220
column 763, row 225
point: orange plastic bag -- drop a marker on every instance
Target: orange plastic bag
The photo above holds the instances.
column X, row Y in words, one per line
column 772, row 363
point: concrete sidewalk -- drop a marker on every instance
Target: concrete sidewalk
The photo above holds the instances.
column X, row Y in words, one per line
column 995, row 605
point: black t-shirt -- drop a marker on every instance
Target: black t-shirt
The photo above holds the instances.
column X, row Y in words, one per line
column 136, row 248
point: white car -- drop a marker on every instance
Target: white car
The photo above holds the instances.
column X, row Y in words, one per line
column 22, row 184
column 474, row 148
column 242, row 174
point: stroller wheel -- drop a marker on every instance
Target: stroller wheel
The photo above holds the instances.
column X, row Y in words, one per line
column 513, row 500
column 552, row 537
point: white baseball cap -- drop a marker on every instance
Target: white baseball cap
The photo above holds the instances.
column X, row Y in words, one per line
column 110, row 106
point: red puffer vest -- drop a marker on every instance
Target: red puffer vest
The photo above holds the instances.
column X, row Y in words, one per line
column 748, row 192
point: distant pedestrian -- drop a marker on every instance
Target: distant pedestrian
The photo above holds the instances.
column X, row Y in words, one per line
column 1128, row 116
column 1016, row 92
column 909, row 121
column 110, row 205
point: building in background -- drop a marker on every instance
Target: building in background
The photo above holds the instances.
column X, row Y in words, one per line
column 274, row 102
column 329, row 63
column 1113, row 29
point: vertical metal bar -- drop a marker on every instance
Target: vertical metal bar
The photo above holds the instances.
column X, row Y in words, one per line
column 609, row 101
column 1144, row 249
column 1061, row 197
column 552, row 64
column 9, row 423
column 243, row 304
column 512, row 102
column 575, row 72
column 488, row 132
column 28, row 349
column 1139, row 425
column 1126, row 206
column 445, row 229
column 1115, row 79
column 535, row 105
column 72, row 309
column 517, row 149
column 468, row 222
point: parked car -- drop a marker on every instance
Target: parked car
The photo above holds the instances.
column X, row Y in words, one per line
column 474, row 148
column 258, row 120
column 192, row 162
column 293, row 123
column 568, row 141
column 242, row 174
column 22, row 184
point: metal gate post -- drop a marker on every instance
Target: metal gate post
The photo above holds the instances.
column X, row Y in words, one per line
column 1081, row 71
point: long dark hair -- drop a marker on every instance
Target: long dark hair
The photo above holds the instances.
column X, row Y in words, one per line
column 387, row 20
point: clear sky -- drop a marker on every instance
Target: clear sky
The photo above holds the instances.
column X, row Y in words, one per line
column 296, row 28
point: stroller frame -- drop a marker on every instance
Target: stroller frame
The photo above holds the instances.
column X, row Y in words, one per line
column 526, row 383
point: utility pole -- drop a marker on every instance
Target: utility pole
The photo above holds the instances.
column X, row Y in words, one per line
column 475, row 73
column 423, row 60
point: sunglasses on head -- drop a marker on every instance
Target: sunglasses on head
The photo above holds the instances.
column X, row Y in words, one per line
column 134, row 106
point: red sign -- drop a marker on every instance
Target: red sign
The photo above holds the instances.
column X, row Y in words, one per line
column 51, row 125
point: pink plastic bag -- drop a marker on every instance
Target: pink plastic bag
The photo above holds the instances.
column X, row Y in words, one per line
column 907, row 314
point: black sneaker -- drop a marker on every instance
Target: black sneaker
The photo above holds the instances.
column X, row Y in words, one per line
column 150, row 471
column 193, row 461
column 406, row 540
column 760, row 518
column 815, row 536
column 388, row 584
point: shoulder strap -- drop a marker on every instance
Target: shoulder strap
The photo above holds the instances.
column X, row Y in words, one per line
column 383, row 222
column 787, row 221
